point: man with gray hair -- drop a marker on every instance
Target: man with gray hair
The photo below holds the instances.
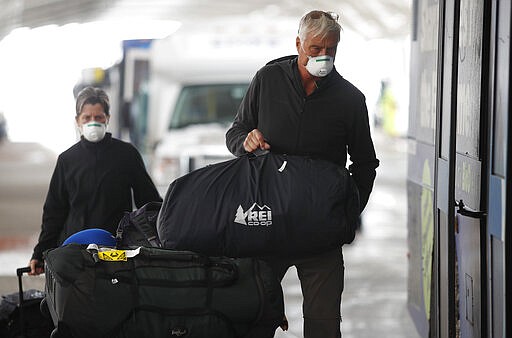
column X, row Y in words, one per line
column 300, row 105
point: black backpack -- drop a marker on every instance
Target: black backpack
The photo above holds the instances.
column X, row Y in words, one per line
column 138, row 228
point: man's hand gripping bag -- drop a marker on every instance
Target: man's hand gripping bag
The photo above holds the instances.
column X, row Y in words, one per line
column 262, row 205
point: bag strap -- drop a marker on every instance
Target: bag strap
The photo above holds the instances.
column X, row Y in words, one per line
column 144, row 219
column 260, row 152
column 120, row 228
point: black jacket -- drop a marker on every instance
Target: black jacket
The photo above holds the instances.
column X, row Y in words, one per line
column 91, row 188
column 327, row 124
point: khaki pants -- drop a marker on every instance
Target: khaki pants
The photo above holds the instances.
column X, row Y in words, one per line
column 322, row 280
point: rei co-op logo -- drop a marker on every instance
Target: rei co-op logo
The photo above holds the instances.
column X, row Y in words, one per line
column 254, row 216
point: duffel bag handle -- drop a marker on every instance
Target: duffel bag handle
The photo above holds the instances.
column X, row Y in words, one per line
column 149, row 252
column 185, row 256
column 259, row 152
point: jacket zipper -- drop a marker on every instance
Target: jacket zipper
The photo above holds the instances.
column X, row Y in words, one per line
column 299, row 129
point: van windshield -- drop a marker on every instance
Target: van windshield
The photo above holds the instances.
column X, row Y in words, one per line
column 212, row 103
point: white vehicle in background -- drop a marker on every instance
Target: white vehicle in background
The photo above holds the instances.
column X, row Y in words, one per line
column 198, row 77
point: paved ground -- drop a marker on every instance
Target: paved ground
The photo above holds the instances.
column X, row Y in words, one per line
column 375, row 296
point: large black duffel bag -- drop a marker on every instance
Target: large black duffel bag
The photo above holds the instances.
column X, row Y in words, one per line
column 261, row 206
column 159, row 293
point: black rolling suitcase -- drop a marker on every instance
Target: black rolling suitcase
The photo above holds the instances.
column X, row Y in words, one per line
column 20, row 312
column 153, row 292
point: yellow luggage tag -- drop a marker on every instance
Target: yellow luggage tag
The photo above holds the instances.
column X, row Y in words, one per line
column 110, row 254
column 113, row 255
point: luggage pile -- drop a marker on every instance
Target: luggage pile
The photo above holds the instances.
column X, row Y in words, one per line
column 144, row 291
column 191, row 267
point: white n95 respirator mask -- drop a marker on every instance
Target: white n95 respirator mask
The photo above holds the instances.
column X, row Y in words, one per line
column 320, row 65
column 94, row 131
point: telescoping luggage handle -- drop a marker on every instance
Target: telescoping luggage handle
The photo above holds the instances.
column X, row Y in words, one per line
column 19, row 273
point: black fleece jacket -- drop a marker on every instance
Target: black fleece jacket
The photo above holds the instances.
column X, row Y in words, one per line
column 330, row 122
column 91, row 187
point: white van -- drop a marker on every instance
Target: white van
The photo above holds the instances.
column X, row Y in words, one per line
column 198, row 77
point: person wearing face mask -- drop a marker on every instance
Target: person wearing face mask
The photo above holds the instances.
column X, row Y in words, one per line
column 300, row 105
column 94, row 181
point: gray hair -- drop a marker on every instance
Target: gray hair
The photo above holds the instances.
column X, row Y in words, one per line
column 91, row 95
column 319, row 23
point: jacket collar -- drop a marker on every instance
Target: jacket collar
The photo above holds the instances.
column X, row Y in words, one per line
column 94, row 145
